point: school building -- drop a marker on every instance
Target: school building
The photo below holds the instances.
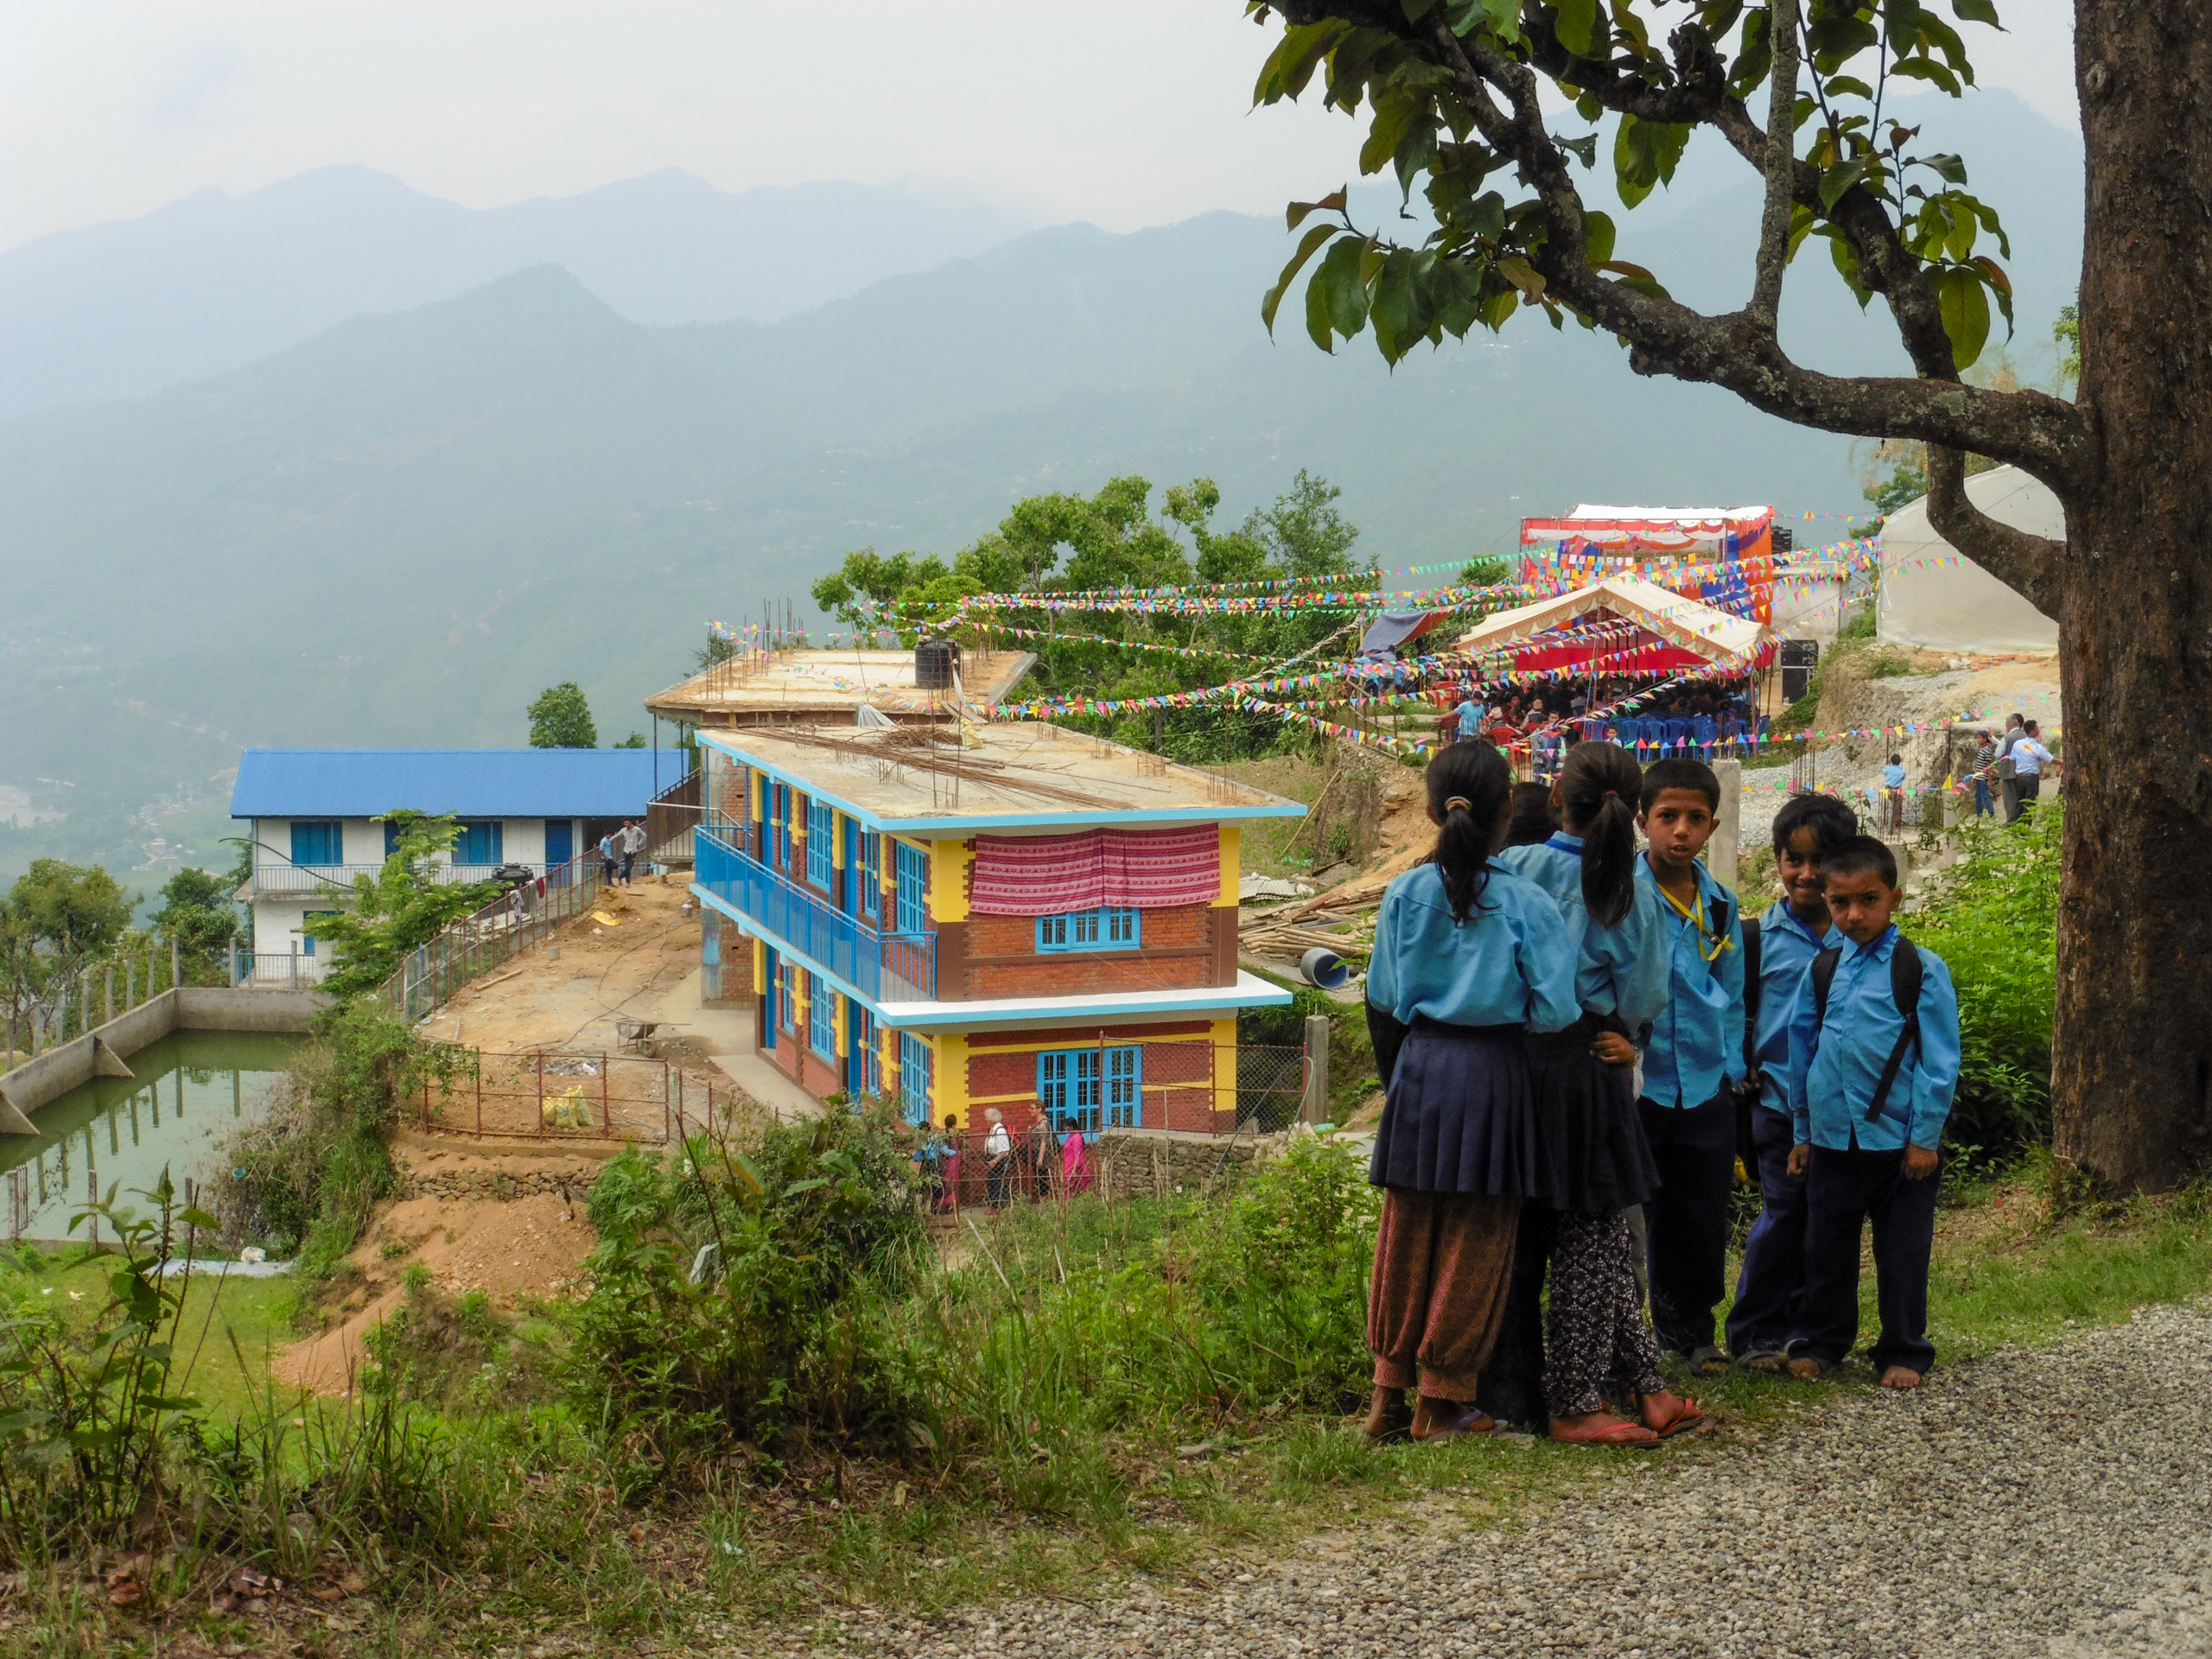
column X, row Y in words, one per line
column 1002, row 914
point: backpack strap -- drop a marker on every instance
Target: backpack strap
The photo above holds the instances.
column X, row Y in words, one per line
column 1752, row 997
column 1905, row 971
column 1824, row 973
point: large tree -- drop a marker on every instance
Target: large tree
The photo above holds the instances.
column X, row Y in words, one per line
column 1460, row 99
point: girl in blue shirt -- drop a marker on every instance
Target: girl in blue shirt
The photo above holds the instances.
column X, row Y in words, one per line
column 1467, row 959
column 1598, row 1161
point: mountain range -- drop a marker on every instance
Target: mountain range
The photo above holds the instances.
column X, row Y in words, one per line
column 400, row 529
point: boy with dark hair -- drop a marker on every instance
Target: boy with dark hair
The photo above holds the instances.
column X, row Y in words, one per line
column 1777, row 949
column 1693, row 1062
column 1873, row 1064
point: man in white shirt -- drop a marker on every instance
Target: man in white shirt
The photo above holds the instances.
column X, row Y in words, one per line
column 998, row 1155
column 633, row 843
column 2029, row 759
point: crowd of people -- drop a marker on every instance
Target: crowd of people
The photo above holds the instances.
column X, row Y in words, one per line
column 995, row 1167
column 1580, row 1040
column 2008, row 769
column 1697, row 722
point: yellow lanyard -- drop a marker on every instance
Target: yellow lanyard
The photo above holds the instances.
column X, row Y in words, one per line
column 1693, row 914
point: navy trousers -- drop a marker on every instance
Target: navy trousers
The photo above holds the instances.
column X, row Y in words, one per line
column 1773, row 1280
column 1843, row 1191
column 1685, row 1223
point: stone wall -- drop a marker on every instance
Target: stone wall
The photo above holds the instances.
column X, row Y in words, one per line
column 455, row 1185
column 1158, row 1163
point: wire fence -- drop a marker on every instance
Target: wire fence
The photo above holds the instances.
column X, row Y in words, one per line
column 573, row 1095
column 488, row 937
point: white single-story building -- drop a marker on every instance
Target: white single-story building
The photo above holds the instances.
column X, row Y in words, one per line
column 313, row 819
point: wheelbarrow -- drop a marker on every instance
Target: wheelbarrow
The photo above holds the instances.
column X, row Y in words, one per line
column 636, row 1033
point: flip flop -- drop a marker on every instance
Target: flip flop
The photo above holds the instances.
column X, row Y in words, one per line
column 1470, row 1424
column 1621, row 1434
column 1688, row 1418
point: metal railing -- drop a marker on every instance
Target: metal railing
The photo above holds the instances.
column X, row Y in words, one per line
column 271, row 971
column 336, row 881
column 567, row 1094
column 486, row 937
column 882, row 967
column 671, row 815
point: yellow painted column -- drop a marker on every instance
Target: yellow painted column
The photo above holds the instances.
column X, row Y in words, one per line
column 1224, row 1066
column 950, row 1081
column 949, row 862
column 844, row 1038
column 886, row 1042
column 1232, row 843
column 887, row 869
column 759, row 966
column 836, row 839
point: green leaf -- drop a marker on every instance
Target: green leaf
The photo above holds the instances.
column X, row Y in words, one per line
column 1585, row 148
column 1951, row 167
column 1839, row 178
column 1576, row 26
column 1393, row 115
column 1846, row 264
column 1598, row 236
column 807, row 1185
column 1636, row 277
column 1307, row 247
column 1504, row 17
column 1291, row 65
column 1929, row 70
column 1336, row 295
column 1522, row 274
column 1976, row 12
column 2000, row 284
column 1965, row 307
column 1958, row 241
column 1840, row 86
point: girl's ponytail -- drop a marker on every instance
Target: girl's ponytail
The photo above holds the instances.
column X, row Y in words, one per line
column 1598, row 786
column 1469, row 785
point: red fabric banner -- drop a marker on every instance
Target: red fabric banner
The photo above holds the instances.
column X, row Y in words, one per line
column 1141, row 869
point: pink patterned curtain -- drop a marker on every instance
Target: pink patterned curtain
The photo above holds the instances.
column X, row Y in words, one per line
column 1144, row 869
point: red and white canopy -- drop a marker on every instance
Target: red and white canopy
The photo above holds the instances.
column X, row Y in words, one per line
column 1619, row 623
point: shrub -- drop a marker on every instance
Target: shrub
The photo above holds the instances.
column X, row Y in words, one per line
column 1995, row 923
column 740, row 1294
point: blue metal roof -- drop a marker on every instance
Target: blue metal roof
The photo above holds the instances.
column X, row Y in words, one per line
column 473, row 782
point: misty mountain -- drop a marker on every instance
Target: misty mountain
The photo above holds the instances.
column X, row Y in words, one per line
column 214, row 282
column 401, row 529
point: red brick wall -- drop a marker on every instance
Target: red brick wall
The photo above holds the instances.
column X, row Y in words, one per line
column 1001, row 959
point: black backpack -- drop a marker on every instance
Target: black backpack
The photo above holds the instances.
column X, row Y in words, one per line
column 1905, row 972
column 1746, row 1097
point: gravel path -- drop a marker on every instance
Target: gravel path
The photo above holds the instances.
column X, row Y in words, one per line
column 2054, row 1502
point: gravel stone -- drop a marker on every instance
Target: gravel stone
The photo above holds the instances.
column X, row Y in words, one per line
column 2054, row 1502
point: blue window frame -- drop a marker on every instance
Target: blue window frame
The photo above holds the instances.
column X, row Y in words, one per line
column 864, row 1063
column 871, row 867
column 1069, row 1093
column 912, row 873
column 318, row 841
column 779, row 826
column 480, row 842
column 821, row 842
column 1090, row 929
column 787, row 997
column 914, row 1097
column 821, row 1018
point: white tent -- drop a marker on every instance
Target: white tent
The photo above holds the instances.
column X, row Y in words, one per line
column 1934, row 596
column 1687, row 623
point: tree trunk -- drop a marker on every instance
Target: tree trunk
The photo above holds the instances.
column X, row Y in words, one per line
column 2132, row 1080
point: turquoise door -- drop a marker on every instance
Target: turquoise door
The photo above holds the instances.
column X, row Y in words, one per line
column 560, row 841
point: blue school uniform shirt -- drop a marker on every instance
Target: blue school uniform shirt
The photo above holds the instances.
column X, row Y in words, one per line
column 1787, row 947
column 1833, row 1068
column 1697, row 1044
column 1508, row 963
column 1620, row 971
column 1469, row 713
column 1893, row 777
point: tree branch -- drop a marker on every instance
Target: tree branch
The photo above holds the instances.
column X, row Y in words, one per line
column 2034, row 565
column 1781, row 164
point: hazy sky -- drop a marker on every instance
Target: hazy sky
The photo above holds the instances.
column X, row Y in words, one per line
column 1126, row 113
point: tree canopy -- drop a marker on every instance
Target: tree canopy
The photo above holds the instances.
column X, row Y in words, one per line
column 197, row 911
column 404, row 905
column 561, row 719
column 1060, row 543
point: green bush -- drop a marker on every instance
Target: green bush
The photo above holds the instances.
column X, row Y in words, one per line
column 794, row 1246
column 1995, row 923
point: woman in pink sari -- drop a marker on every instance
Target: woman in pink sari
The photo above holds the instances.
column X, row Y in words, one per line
column 1074, row 1164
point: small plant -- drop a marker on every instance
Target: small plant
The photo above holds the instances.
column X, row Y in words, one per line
column 392, row 1249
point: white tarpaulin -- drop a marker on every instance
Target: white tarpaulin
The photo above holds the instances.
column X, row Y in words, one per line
column 1933, row 596
column 1688, row 623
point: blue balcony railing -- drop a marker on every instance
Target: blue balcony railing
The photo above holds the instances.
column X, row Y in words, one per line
column 882, row 967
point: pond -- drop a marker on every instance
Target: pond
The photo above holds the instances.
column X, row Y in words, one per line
column 191, row 1089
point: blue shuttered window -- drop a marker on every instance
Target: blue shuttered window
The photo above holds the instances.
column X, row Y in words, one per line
column 914, row 1077
column 1090, row 929
column 821, row 1017
column 318, row 841
column 871, row 875
column 821, row 842
column 480, row 842
column 911, row 873
column 1069, row 1091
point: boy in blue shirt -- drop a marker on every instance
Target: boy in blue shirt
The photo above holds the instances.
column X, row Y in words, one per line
column 1869, row 1088
column 1795, row 929
column 1693, row 1062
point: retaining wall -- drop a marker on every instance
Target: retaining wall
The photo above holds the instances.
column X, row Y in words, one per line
column 72, row 1064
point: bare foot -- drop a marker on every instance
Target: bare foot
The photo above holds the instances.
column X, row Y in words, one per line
column 1900, row 1376
column 1664, row 1413
column 1806, row 1371
column 1601, row 1428
column 1446, row 1419
column 1388, row 1419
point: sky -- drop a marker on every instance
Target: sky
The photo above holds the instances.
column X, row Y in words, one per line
column 1129, row 113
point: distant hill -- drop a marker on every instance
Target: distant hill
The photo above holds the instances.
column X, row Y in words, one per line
column 401, row 529
column 214, row 282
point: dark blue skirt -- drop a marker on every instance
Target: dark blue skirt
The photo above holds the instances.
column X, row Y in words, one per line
column 1461, row 1114
column 1595, row 1156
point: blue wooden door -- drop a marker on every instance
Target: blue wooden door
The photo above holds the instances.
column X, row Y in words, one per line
column 560, row 841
